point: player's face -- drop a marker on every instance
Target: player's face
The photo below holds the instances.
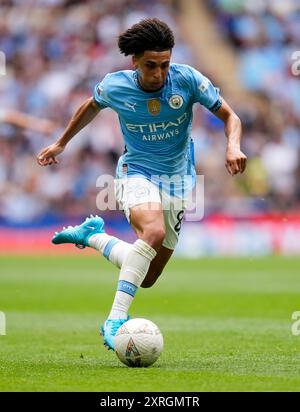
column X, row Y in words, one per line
column 153, row 68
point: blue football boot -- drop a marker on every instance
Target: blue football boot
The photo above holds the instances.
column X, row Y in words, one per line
column 109, row 330
column 79, row 235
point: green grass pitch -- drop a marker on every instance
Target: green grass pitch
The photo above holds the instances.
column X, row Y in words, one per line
column 226, row 325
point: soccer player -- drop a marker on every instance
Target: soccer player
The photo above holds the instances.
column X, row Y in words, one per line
column 154, row 103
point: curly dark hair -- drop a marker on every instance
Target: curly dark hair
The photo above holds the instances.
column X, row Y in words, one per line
column 148, row 34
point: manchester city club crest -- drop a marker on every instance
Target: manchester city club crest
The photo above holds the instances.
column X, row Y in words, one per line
column 176, row 101
column 154, row 106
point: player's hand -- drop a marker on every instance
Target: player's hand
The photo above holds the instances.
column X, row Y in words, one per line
column 235, row 161
column 48, row 155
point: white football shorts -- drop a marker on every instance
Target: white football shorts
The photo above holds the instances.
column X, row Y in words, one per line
column 133, row 191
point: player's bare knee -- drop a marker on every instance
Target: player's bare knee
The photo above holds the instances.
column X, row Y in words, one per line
column 154, row 236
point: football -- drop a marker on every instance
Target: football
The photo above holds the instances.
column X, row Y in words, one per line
column 138, row 343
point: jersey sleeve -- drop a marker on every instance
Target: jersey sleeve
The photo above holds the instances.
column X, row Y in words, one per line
column 101, row 93
column 205, row 92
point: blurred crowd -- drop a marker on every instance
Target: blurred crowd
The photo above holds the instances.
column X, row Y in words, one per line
column 57, row 50
column 265, row 34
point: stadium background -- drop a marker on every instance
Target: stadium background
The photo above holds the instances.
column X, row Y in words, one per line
column 229, row 315
column 56, row 51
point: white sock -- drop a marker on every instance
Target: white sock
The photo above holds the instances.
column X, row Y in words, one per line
column 112, row 248
column 133, row 272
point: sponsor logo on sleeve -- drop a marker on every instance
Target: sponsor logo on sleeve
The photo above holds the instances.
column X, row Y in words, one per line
column 204, row 85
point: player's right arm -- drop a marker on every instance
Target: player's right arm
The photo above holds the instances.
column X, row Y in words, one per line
column 83, row 116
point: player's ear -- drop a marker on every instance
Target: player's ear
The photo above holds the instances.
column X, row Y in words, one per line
column 134, row 61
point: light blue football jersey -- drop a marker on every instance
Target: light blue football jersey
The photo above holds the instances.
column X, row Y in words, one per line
column 157, row 125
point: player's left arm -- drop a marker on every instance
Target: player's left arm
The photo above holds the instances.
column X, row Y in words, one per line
column 235, row 158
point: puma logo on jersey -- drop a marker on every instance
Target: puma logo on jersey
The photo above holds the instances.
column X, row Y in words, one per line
column 130, row 105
